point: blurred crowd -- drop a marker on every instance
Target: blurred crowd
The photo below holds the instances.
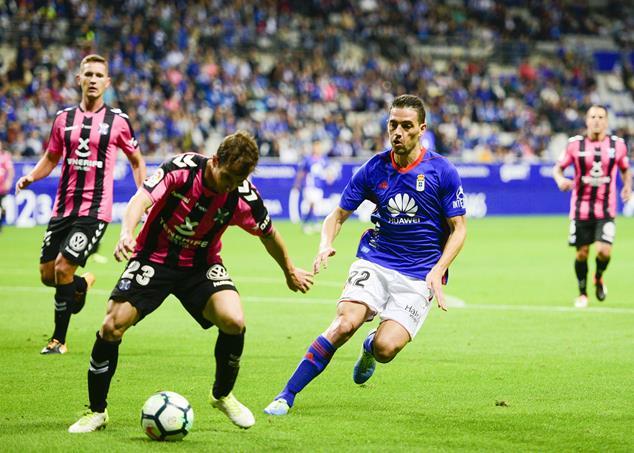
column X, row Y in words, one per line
column 296, row 71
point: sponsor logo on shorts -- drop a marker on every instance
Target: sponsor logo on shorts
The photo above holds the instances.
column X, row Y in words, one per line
column 78, row 242
column 223, row 282
column 413, row 313
column 608, row 232
column 124, row 285
column 217, row 272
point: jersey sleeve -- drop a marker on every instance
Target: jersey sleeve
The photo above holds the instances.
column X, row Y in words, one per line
column 355, row 191
column 251, row 214
column 451, row 193
column 126, row 139
column 166, row 178
column 623, row 160
column 567, row 157
column 55, row 143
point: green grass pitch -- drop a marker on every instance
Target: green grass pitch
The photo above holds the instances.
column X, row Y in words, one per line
column 512, row 366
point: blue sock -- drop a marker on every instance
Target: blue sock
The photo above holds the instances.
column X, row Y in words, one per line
column 309, row 217
column 369, row 342
column 316, row 359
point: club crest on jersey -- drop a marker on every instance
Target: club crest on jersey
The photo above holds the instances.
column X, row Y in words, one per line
column 103, row 128
column 221, row 216
column 420, row 183
column 155, row 178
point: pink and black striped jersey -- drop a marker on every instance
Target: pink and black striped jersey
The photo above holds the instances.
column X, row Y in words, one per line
column 187, row 220
column 5, row 168
column 88, row 143
column 595, row 164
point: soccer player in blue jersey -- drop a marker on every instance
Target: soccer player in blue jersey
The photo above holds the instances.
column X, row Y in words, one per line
column 402, row 263
column 311, row 179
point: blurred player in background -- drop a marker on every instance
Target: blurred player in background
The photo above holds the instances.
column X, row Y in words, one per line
column 311, row 180
column 595, row 158
column 88, row 137
column 193, row 199
column 402, row 263
column 6, row 178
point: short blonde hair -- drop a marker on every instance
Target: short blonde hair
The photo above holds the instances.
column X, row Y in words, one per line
column 93, row 58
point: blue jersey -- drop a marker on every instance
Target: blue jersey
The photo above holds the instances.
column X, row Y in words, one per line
column 412, row 205
column 315, row 170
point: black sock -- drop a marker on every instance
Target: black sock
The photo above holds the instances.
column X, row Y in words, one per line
column 81, row 286
column 227, row 352
column 103, row 364
column 581, row 269
column 601, row 267
column 64, row 300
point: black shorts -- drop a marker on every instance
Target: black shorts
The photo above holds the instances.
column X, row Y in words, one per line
column 586, row 232
column 76, row 238
column 146, row 285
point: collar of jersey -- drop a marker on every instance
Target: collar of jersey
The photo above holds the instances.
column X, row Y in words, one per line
column 103, row 106
column 418, row 160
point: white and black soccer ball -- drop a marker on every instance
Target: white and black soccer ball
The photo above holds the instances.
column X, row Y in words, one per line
column 167, row 416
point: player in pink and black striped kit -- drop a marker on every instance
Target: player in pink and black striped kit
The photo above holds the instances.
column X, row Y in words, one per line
column 6, row 178
column 192, row 199
column 87, row 138
column 595, row 157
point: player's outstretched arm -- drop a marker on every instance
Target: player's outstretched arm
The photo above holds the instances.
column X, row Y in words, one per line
column 138, row 204
column 626, row 191
column 563, row 183
column 329, row 231
column 297, row 279
column 42, row 169
column 457, row 236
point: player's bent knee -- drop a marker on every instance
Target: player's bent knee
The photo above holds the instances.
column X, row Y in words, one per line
column 47, row 273
column 64, row 269
column 384, row 353
column 233, row 326
column 582, row 255
column 47, row 278
column 603, row 253
column 112, row 329
column 343, row 329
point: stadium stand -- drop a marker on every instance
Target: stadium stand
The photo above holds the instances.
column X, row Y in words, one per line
column 503, row 81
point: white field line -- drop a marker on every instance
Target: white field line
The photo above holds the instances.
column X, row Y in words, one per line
column 452, row 301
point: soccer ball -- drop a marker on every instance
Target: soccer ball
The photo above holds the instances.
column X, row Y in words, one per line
column 167, row 416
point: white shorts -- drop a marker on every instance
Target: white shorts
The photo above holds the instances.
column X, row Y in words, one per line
column 389, row 294
column 313, row 195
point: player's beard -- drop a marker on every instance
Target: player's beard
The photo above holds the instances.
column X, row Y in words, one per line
column 401, row 150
